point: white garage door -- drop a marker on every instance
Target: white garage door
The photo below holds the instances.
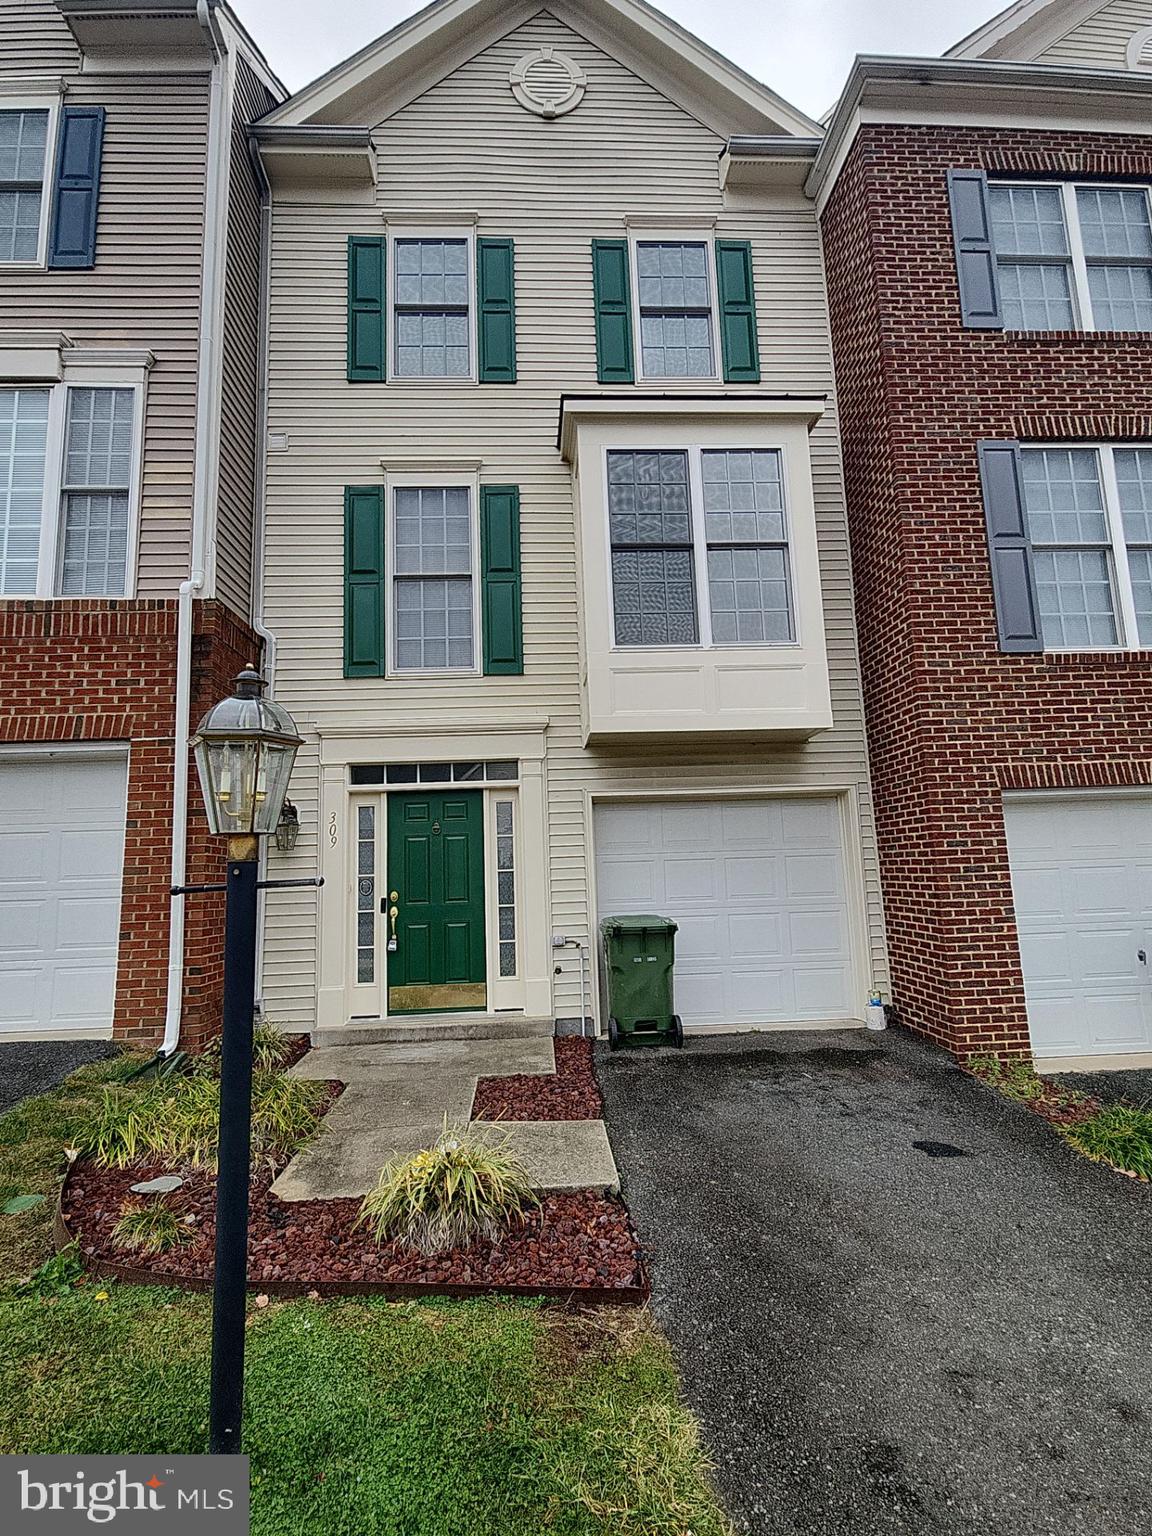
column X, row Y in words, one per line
column 61, row 862
column 1082, row 883
column 758, row 889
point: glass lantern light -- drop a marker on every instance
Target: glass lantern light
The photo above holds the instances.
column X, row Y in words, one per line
column 245, row 747
column 288, row 827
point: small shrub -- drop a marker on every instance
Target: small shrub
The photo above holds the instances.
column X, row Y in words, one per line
column 1016, row 1079
column 176, row 1121
column 149, row 1227
column 1120, row 1134
column 464, row 1188
column 270, row 1050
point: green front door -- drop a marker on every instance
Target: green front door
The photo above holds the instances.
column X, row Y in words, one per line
column 436, row 885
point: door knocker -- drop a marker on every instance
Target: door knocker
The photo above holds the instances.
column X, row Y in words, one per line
column 436, row 828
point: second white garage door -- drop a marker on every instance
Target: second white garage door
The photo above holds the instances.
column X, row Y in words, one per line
column 758, row 888
column 1082, row 882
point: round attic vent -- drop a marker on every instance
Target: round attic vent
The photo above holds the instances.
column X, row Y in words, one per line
column 1140, row 49
column 548, row 83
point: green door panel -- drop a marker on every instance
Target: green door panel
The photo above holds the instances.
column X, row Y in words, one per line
column 436, row 867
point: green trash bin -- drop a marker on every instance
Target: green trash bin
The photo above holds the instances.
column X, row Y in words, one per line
column 639, row 953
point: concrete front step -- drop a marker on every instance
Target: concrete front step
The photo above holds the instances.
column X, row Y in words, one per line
column 434, row 1026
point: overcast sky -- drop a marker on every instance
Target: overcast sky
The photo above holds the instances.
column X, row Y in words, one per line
column 801, row 48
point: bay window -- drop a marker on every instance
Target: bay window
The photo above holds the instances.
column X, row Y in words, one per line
column 699, row 548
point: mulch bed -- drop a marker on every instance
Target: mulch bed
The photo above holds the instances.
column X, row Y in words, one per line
column 572, row 1094
column 580, row 1242
column 299, row 1047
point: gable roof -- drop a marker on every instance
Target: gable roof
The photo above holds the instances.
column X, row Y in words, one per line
column 1025, row 29
column 408, row 60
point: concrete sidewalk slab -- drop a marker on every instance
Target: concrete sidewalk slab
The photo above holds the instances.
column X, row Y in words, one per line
column 398, row 1098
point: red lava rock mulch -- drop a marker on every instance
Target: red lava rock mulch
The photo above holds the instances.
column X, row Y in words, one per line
column 571, row 1094
column 299, row 1046
column 573, row 1241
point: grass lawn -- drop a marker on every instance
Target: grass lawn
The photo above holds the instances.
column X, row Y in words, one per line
column 365, row 1417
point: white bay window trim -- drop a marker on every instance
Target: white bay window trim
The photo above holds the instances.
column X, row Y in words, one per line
column 89, row 371
column 431, row 478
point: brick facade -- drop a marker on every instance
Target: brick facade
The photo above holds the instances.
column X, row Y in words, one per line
column 953, row 722
column 105, row 670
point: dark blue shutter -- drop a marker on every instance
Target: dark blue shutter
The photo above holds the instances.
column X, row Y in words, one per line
column 975, row 255
column 1009, row 549
column 76, row 194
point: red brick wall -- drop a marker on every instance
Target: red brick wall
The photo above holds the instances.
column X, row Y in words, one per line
column 953, row 722
column 105, row 670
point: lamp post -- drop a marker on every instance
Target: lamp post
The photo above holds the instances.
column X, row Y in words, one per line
column 245, row 747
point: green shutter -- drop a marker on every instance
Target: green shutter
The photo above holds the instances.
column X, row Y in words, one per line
column 367, row 255
column 613, row 300
column 365, row 589
column 500, row 551
column 737, row 312
column 496, row 303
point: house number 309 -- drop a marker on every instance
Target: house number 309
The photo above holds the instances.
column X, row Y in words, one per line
column 333, row 831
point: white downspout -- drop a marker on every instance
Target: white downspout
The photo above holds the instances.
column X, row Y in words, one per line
column 203, row 493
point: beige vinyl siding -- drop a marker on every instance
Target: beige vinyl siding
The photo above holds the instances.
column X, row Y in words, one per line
column 241, row 367
column 35, row 40
column 144, row 290
column 1102, row 41
column 552, row 186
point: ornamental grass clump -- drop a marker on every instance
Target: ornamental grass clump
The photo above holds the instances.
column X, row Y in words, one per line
column 465, row 1188
column 176, row 1121
column 1120, row 1134
column 149, row 1228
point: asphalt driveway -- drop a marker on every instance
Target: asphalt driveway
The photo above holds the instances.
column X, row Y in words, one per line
column 876, row 1338
column 34, row 1066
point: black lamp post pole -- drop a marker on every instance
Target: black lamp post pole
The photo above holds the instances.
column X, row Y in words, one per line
column 231, row 1283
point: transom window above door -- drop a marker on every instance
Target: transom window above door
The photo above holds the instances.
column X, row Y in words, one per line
column 674, row 289
column 432, row 321
column 68, row 485
column 699, row 548
column 1089, row 513
column 1073, row 256
column 433, row 587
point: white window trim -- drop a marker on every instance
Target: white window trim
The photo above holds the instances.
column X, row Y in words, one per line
column 696, row 452
column 438, row 480
column 467, row 233
column 81, row 375
column 1076, row 260
column 1127, row 627
column 679, row 235
column 32, row 102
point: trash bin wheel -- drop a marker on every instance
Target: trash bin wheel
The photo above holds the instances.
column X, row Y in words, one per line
column 677, row 1032
column 613, row 1034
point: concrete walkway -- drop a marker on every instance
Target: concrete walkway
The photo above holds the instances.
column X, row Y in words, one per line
column 397, row 1098
column 879, row 1337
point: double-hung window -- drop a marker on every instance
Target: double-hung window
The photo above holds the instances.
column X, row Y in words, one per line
column 674, row 291
column 433, row 579
column 23, row 151
column 67, row 477
column 1089, row 513
column 699, row 548
column 1073, row 256
column 432, row 319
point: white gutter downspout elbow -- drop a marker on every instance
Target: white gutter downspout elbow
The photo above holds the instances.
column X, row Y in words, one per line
column 203, row 494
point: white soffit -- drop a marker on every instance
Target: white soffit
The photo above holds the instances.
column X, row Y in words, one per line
column 397, row 68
